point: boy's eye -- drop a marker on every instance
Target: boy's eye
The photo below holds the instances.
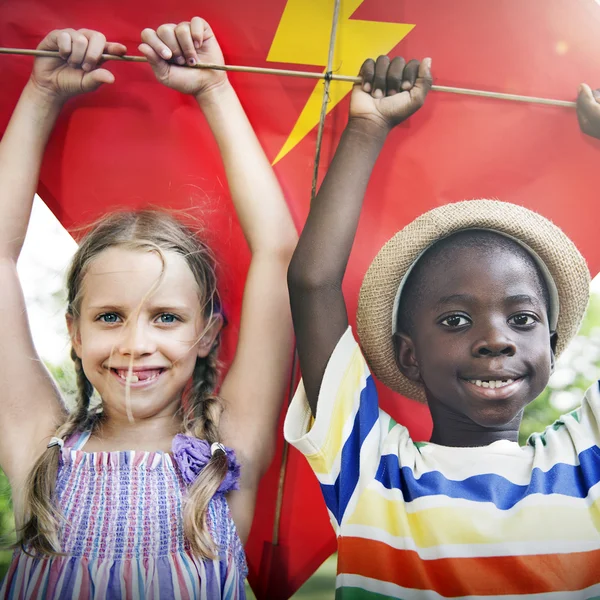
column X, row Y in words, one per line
column 167, row 318
column 522, row 320
column 455, row 321
column 109, row 318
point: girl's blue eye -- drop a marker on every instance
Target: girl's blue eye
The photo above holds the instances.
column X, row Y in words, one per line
column 522, row 320
column 454, row 321
column 109, row 318
column 167, row 318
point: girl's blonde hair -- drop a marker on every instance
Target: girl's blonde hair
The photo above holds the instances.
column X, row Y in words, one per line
column 157, row 231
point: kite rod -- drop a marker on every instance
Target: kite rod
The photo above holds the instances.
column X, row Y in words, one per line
column 310, row 75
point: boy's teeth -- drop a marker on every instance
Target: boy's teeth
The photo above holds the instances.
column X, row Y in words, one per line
column 133, row 379
column 492, row 384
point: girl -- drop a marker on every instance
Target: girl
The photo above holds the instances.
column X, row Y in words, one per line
column 127, row 499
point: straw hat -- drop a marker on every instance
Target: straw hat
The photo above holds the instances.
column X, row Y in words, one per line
column 561, row 264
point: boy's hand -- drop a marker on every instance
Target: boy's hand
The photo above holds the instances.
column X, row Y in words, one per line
column 189, row 43
column 391, row 91
column 77, row 70
column 588, row 110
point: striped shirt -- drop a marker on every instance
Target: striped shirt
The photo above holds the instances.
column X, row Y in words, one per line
column 419, row 520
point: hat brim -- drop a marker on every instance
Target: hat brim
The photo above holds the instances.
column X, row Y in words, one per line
column 378, row 292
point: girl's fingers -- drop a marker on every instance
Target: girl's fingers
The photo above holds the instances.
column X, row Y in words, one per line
column 394, row 76
column 379, row 81
column 411, row 72
column 63, row 42
column 161, row 68
column 115, row 48
column 367, row 73
column 167, row 35
column 79, row 44
column 200, row 29
column 183, row 33
column 95, row 48
column 94, row 79
column 151, row 39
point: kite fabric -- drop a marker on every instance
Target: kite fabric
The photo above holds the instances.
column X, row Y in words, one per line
column 136, row 143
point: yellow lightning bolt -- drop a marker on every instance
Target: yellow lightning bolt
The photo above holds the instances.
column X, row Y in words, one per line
column 303, row 38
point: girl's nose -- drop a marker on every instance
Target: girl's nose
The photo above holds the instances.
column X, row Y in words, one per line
column 137, row 339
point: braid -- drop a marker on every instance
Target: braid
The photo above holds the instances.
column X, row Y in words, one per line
column 206, row 408
column 42, row 516
column 84, row 391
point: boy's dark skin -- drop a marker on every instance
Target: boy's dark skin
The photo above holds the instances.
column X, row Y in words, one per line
column 504, row 332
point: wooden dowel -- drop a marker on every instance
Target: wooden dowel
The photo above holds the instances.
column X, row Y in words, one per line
column 310, row 75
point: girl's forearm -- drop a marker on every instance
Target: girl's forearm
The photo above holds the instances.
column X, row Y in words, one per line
column 21, row 151
column 255, row 191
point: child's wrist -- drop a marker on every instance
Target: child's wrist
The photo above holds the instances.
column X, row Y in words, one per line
column 371, row 128
column 214, row 94
column 42, row 97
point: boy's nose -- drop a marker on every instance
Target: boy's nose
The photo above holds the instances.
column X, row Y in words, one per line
column 494, row 343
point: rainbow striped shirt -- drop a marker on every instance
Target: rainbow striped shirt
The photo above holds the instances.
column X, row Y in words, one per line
column 418, row 520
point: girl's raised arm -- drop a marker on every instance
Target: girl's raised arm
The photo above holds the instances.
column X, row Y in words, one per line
column 31, row 405
column 256, row 382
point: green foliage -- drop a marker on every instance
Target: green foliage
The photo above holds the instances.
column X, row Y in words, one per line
column 7, row 526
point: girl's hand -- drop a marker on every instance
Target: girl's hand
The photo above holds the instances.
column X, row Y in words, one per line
column 190, row 42
column 588, row 110
column 391, row 91
column 77, row 70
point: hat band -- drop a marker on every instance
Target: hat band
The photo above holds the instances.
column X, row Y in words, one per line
column 553, row 309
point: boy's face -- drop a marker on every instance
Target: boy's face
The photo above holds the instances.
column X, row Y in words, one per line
column 480, row 339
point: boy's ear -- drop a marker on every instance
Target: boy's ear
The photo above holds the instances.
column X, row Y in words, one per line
column 210, row 335
column 553, row 342
column 74, row 334
column 406, row 358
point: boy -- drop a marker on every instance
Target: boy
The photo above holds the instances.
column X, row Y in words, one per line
column 465, row 308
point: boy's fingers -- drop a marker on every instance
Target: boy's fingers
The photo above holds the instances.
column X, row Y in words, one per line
column 167, row 35
column 381, row 69
column 183, row 33
column 409, row 76
column 150, row 38
column 424, row 79
column 394, row 75
column 95, row 47
column 367, row 72
column 200, row 29
column 586, row 101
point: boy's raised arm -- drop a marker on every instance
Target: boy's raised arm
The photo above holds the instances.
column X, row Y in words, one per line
column 390, row 93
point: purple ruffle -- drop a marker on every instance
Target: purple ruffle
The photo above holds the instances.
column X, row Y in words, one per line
column 192, row 455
